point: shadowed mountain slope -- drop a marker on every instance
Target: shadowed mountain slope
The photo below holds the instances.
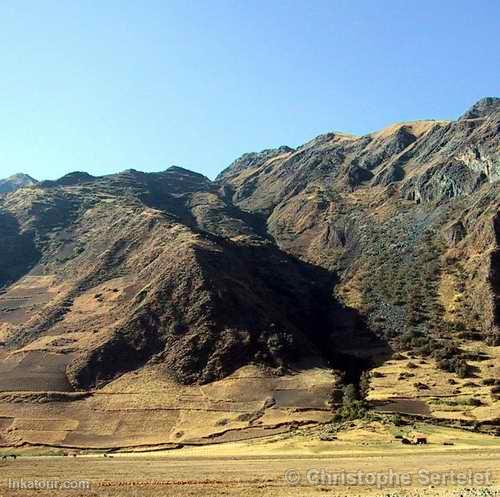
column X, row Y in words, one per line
column 139, row 267
column 293, row 262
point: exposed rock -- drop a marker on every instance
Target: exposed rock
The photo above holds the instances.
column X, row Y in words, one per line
column 483, row 108
column 455, row 233
column 12, row 183
column 443, row 182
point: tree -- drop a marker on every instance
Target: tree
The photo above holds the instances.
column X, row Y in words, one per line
column 364, row 385
column 350, row 395
column 352, row 408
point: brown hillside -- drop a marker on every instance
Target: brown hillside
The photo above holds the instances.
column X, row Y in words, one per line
column 241, row 303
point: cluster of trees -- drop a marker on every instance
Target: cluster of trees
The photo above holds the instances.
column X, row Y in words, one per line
column 354, row 405
column 448, row 357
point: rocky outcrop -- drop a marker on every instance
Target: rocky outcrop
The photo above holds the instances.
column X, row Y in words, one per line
column 455, row 233
column 483, row 108
column 12, row 183
column 443, row 182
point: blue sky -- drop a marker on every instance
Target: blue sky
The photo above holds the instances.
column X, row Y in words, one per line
column 103, row 86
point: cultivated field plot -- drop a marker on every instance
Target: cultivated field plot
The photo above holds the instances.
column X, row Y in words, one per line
column 25, row 298
column 416, row 386
column 149, row 410
column 34, row 371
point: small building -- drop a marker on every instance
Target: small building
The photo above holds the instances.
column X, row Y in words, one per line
column 419, row 439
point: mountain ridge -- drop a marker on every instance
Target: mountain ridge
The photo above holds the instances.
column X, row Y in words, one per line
column 480, row 109
column 309, row 203
column 139, row 309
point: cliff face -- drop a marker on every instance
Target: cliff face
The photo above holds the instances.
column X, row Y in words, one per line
column 346, row 245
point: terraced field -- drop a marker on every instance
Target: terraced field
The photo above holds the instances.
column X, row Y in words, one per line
column 148, row 410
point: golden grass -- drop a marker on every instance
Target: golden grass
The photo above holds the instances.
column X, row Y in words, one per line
column 417, row 128
column 257, row 468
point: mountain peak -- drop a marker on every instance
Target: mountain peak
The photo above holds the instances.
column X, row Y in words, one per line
column 482, row 108
column 183, row 170
column 16, row 181
column 71, row 179
column 21, row 176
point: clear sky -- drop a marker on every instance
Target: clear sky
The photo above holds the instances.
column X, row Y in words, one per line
column 107, row 85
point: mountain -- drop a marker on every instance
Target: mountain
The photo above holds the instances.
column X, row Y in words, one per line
column 169, row 292
column 482, row 108
column 157, row 266
column 407, row 216
column 16, row 181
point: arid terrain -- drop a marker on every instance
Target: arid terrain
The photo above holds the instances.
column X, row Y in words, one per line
column 205, row 335
column 282, row 465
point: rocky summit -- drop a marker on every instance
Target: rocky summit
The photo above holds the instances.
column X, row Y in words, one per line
column 338, row 256
column 16, row 181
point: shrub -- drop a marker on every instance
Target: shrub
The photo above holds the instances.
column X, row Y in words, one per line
column 397, row 420
column 455, row 365
column 463, row 369
column 424, row 350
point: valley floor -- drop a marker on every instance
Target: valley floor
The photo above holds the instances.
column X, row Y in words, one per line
column 279, row 466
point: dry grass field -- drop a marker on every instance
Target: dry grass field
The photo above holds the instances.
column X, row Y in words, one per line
column 262, row 467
